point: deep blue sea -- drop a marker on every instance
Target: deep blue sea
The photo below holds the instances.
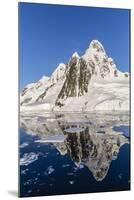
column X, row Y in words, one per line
column 68, row 155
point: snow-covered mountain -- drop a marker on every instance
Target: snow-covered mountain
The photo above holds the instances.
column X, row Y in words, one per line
column 90, row 82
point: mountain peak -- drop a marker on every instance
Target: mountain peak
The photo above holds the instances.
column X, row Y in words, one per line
column 75, row 54
column 96, row 46
column 58, row 73
column 96, row 42
column 61, row 65
column 95, row 49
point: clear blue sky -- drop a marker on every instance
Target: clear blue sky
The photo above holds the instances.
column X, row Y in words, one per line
column 49, row 34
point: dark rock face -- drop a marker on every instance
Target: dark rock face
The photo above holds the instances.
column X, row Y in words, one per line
column 115, row 73
column 104, row 70
column 70, row 84
column 104, row 67
column 77, row 78
column 126, row 75
column 24, row 91
column 26, row 101
column 80, row 71
column 84, row 78
column 40, row 98
column 92, row 66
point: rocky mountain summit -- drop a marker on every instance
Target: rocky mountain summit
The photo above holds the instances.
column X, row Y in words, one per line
column 90, row 82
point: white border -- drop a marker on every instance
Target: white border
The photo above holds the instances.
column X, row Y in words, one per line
column 9, row 97
column 96, row 3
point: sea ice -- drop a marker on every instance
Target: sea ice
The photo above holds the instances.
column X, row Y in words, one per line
column 23, row 145
column 71, row 182
column 49, row 170
column 28, row 158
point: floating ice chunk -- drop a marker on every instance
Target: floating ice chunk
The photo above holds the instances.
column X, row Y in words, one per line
column 71, row 182
column 28, row 158
column 28, row 182
column 49, row 170
column 23, row 145
column 23, row 172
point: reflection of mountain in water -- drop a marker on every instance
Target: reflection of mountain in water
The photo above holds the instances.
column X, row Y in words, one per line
column 87, row 139
column 94, row 150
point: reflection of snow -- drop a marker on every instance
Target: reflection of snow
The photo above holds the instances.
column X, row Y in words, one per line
column 76, row 168
column 28, row 158
column 70, row 174
column 23, row 145
column 74, row 130
column 81, row 166
column 120, row 176
column 65, row 165
column 29, row 191
column 52, row 139
column 49, row 170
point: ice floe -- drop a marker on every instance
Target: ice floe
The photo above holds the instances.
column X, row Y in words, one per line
column 49, row 170
column 28, row 158
column 24, row 145
column 71, row 182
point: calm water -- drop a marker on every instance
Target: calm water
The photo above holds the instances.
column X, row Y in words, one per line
column 74, row 153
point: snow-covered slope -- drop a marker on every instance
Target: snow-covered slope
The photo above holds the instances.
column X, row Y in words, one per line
column 37, row 92
column 90, row 82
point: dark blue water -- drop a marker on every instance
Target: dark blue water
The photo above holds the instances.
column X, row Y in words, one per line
column 51, row 173
column 124, row 129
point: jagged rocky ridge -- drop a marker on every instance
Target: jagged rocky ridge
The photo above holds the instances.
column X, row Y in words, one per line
column 86, row 83
column 88, row 139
